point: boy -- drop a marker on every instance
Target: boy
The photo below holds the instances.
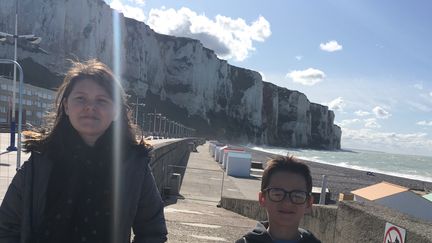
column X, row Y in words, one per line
column 286, row 188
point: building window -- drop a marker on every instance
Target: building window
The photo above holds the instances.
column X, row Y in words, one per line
column 2, row 119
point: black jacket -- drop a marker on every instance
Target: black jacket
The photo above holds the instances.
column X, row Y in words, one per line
column 261, row 235
column 142, row 208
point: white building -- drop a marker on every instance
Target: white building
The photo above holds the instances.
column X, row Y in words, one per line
column 396, row 197
column 35, row 102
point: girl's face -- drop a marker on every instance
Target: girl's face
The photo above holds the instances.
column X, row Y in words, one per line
column 90, row 110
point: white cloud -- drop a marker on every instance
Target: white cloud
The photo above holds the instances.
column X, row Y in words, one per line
column 430, row 94
column 229, row 38
column 418, row 86
column 331, row 46
column 413, row 143
column 298, row 57
column 419, row 106
column 371, row 123
column 308, row 77
column 348, row 122
column 362, row 113
column 139, row 2
column 381, row 113
column 337, row 104
column 424, row 123
column 128, row 10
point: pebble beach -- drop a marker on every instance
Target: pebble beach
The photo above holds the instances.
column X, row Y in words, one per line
column 345, row 180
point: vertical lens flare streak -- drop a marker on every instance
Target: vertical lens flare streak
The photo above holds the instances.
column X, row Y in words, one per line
column 117, row 40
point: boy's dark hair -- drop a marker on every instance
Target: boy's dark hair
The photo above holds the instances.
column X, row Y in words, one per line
column 286, row 164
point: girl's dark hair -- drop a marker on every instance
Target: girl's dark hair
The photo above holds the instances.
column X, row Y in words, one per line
column 286, row 164
column 53, row 133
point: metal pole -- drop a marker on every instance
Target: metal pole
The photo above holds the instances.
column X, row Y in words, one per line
column 149, row 122
column 169, row 128
column 5, row 61
column 164, row 130
column 160, row 125
column 323, row 190
column 136, row 111
column 12, row 122
column 154, row 123
column 223, row 179
column 143, row 122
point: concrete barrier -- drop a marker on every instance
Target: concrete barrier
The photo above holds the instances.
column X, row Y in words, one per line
column 164, row 155
column 367, row 221
column 348, row 222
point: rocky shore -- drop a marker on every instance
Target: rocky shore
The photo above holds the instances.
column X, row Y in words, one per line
column 345, row 180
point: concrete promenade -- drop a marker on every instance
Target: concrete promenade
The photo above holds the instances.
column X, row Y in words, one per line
column 194, row 215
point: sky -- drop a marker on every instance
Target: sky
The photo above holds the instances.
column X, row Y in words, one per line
column 369, row 61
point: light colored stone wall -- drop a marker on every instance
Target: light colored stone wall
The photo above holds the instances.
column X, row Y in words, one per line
column 348, row 222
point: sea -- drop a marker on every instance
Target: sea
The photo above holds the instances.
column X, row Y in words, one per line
column 408, row 166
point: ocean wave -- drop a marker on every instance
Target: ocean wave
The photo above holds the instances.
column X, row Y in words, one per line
column 414, row 173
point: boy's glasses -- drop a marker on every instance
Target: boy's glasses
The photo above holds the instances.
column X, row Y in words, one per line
column 279, row 194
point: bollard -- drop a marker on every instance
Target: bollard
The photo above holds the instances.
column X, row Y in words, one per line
column 175, row 183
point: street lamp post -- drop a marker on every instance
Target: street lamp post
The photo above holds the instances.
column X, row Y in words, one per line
column 169, row 128
column 177, row 125
column 137, row 105
column 164, row 130
column 143, row 122
column 149, row 122
column 160, row 124
column 154, row 123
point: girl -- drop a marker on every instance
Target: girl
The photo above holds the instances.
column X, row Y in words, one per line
column 87, row 179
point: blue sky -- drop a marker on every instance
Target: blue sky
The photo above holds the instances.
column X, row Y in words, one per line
column 369, row 61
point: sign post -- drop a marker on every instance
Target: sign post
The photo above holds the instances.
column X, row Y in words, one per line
column 394, row 234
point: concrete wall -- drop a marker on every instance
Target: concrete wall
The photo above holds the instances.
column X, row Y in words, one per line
column 365, row 222
column 348, row 222
column 248, row 208
column 164, row 156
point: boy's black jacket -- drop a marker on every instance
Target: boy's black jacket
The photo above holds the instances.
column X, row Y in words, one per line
column 261, row 235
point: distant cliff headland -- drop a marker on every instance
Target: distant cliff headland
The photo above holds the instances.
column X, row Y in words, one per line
column 177, row 76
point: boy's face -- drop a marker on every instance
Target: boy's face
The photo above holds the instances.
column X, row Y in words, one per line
column 285, row 213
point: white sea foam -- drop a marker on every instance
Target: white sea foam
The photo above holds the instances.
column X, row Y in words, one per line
column 407, row 166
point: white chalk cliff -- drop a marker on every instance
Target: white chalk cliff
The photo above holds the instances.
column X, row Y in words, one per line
column 177, row 76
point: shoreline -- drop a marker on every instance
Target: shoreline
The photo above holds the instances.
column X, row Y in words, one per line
column 374, row 171
column 344, row 180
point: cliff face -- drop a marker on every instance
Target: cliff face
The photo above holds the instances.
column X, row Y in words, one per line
column 177, row 76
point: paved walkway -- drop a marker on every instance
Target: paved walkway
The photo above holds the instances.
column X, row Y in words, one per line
column 195, row 216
